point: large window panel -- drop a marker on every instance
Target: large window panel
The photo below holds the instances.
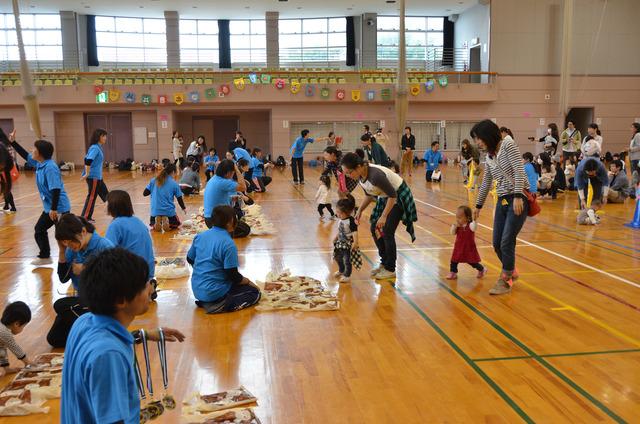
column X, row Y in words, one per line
column 199, row 41
column 131, row 40
column 290, row 26
column 314, row 26
column 423, row 38
column 315, row 40
column 42, row 37
column 247, row 46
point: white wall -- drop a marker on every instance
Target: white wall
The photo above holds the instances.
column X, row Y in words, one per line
column 474, row 23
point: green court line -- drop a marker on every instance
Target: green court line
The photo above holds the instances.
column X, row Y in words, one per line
column 558, row 355
column 462, row 354
column 520, row 344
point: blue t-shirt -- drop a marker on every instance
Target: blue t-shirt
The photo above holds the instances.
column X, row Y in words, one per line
column 581, row 180
column 48, row 178
column 299, row 145
column 210, row 162
column 257, row 170
column 98, row 377
column 132, row 234
column 162, row 197
column 211, row 253
column 218, row 192
column 241, row 153
column 532, row 176
column 96, row 244
column 433, row 159
column 95, row 169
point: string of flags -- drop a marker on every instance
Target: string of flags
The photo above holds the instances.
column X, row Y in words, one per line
column 114, row 95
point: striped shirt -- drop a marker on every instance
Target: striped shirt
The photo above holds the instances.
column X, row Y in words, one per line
column 507, row 169
column 8, row 342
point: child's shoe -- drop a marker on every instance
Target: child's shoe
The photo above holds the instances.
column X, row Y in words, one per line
column 482, row 273
column 514, row 275
column 345, row 279
column 451, row 276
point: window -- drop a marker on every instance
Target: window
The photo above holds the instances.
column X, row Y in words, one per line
column 423, row 37
column 248, row 41
column 198, row 41
column 131, row 40
column 321, row 40
column 42, row 37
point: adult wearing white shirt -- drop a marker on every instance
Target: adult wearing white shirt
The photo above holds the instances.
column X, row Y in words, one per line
column 592, row 143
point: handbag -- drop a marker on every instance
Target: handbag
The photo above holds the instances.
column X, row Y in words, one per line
column 534, row 207
column 15, row 174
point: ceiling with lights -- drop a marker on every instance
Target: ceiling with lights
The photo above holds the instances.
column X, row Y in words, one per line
column 241, row 9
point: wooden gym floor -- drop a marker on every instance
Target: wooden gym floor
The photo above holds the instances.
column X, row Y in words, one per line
column 564, row 346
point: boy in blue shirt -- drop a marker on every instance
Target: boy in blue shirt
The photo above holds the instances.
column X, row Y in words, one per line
column 532, row 175
column 216, row 283
column 98, row 375
column 433, row 159
column 93, row 173
column 210, row 162
column 51, row 189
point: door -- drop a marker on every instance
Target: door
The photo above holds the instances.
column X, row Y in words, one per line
column 581, row 118
column 119, row 144
column 474, row 63
column 202, row 126
column 224, row 130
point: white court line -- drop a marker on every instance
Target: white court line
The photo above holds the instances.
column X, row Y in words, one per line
column 544, row 249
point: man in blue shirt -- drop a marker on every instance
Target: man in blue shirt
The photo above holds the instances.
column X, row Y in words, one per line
column 216, row 283
column 591, row 170
column 433, row 159
column 98, row 376
column 222, row 187
column 51, row 189
column 297, row 160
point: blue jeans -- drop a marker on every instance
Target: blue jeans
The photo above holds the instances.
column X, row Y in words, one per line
column 506, row 226
column 343, row 257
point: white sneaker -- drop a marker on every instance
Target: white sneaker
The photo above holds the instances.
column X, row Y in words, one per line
column 41, row 261
column 337, row 274
column 376, row 270
column 592, row 216
column 385, row 275
column 345, row 279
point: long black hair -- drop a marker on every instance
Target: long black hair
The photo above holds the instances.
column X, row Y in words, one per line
column 636, row 125
column 489, row 133
column 6, row 164
column 164, row 174
column 95, row 137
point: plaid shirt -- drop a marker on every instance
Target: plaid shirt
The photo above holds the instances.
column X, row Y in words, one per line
column 408, row 205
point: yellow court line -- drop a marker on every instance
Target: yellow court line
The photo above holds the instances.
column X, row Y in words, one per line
column 581, row 271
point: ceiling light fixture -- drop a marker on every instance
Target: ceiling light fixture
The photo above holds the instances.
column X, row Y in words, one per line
column 391, row 1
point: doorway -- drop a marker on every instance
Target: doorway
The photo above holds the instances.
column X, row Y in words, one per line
column 119, row 144
column 474, row 63
column 581, row 118
column 217, row 131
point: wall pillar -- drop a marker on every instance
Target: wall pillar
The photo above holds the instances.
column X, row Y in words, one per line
column 273, row 43
column 172, row 22
column 70, row 48
column 369, row 41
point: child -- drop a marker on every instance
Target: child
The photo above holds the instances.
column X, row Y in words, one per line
column 433, row 159
column 347, row 238
column 588, row 216
column 532, row 175
column 190, row 180
column 570, row 172
column 464, row 249
column 163, row 189
column 322, row 196
column 210, row 162
column 546, row 183
column 216, row 283
column 14, row 318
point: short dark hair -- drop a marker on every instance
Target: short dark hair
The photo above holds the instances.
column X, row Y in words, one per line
column 488, row 132
column 408, row 128
column 360, row 153
column 45, row 148
column 110, row 277
column 636, row 125
column 70, row 226
column 95, row 137
column 222, row 215
column 16, row 312
column 346, row 205
column 591, row 164
column 119, row 203
column 433, row 143
column 304, row 133
column 467, row 212
column 333, row 150
column 366, row 127
column 225, row 167
column 351, row 161
column 617, row 163
column 195, row 166
column 213, row 149
column 256, row 150
column 527, row 156
column 242, row 163
column 365, row 137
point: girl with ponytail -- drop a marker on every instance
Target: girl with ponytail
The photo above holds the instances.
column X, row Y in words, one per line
column 163, row 189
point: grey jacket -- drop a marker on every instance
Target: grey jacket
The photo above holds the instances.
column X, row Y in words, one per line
column 620, row 183
column 634, row 147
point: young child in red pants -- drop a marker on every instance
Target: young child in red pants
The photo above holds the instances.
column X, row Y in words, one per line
column 464, row 249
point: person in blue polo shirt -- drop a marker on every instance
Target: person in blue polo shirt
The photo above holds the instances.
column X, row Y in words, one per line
column 210, row 162
column 163, row 189
column 51, row 189
column 98, row 374
column 432, row 159
column 216, row 283
column 297, row 159
column 78, row 241
column 259, row 181
column 221, row 188
column 93, row 162
column 241, row 153
column 128, row 231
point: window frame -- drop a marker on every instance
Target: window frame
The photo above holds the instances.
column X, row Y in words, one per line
column 33, row 29
column 429, row 51
column 150, row 55
column 327, row 51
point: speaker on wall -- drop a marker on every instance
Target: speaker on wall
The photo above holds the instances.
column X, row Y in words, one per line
column 453, row 18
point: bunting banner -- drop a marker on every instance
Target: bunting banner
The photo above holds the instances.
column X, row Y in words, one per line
column 97, row 89
column 371, row 95
column 178, row 98
column 443, row 81
column 355, row 95
column 279, row 84
column 415, row 89
column 114, row 95
column 253, row 78
column 210, row 93
column 224, row 90
column 429, row 86
column 309, row 90
column 295, row 87
column 340, row 94
column 265, row 78
column 194, row 97
column 239, row 83
column 162, row 99
column 146, row 99
column 385, row 93
column 325, row 92
column 130, row 97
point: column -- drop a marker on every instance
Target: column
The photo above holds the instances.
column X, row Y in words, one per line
column 70, row 48
column 369, row 41
column 81, row 32
column 172, row 22
column 273, row 44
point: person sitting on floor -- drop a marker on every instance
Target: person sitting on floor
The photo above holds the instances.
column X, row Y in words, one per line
column 163, row 189
column 618, row 183
column 190, row 180
column 216, row 283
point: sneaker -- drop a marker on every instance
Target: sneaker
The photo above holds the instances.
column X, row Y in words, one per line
column 451, row 276
column 514, row 275
column 384, row 274
column 345, row 279
column 10, row 211
column 41, row 261
column 301, row 182
column 482, row 273
column 333, row 217
column 295, row 183
column 502, row 286
column 592, row 217
column 376, row 270
column 337, row 274
column 6, row 208
column 166, row 226
column 157, row 226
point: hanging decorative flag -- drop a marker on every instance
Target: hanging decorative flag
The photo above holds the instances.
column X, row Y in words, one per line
column 325, row 92
column 253, row 78
column 162, row 99
column 224, row 90
column 114, row 95
column 385, row 93
column 295, row 87
column 194, row 97
column 309, row 90
column 266, row 79
column 371, row 95
column 130, row 97
column 340, row 94
column 443, row 81
column 239, row 83
column 210, row 93
column 146, row 99
column 429, row 86
column 178, row 98
column 415, row 89
column 355, row 95
column 97, row 89
column 102, row 97
column 279, row 84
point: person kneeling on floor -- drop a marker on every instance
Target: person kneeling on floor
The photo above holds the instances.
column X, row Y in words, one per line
column 216, row 283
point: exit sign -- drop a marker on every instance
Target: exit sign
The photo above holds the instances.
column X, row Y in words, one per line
column 102, row 97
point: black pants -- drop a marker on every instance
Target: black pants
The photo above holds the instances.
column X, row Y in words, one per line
column 297, row 170
column 186, row 190
column 96, row 188
column 321, row 207
column 8, row 202
column 41, row 236
column 240, row 296
column 68, row 309
column 208, row 173
column 387, row 243
column 179, row 163
column 454, row 267
column 242, row 228
column 597, row 190
column 174, row 222
column 552, row 191
column 343, row 257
